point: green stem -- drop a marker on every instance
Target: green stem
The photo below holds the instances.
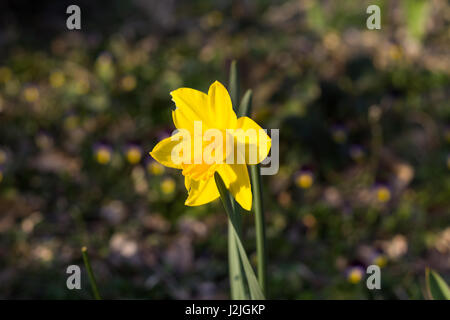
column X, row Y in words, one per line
column 234, row 85
column 246, row 109
column 238, row 291
column 260, row 227
column 90, row 273
column 246, row 104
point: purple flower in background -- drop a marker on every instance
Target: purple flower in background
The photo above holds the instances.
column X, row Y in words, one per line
column 382, row 193
column 304, row 178
column 154, row 167
column 354, row 274
column 102, row 153
column 357, row 152
column 339, row 133
column 133, row 153
column 163, row 134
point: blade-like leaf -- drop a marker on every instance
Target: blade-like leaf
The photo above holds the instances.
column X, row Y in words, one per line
column 246, row 104
column 436, row 286
column 233, row 86
column 253, row 285
column 237, row 280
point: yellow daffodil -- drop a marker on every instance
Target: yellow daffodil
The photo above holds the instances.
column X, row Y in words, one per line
column 213, row 111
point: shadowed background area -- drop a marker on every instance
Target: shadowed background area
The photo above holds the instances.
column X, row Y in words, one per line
column 364, row 119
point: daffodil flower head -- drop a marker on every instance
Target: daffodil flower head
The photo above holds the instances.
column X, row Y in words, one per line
column 206, row 125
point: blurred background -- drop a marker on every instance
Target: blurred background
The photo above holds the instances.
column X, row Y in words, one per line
column 364, row 119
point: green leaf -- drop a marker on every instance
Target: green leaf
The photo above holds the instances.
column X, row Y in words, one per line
column 246, row 104
column 436, row 287
column 253, row 285
column 237, row 281
column 252, row 282
column 233, row 86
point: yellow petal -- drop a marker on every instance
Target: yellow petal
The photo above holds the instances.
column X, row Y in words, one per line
column 236, row 179
column 162, row 152
column 254, row 138
column 187, row 183
column 192, row 105
column 220, row 107
column 201, row 191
